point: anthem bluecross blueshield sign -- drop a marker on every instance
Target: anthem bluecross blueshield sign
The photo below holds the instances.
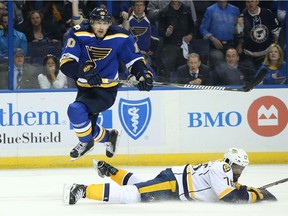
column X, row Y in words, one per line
column 135, row 116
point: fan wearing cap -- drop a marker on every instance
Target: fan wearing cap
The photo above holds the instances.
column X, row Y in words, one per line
column 214, row 181
column 90, row 56
column 25, row 75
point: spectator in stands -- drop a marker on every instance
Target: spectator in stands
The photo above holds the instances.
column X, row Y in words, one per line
column 144, row 31
column 201, row 7
column 276, row 66
column 25, row 75
column 257, row 29
column 67, row 10
column 175, row 27
column 19, row 38
column 2, row 11
column 265, row 4
column 77, row 17
column 232, row 72
column 37, row 31
column 154, row 7
column 125, row 20
column 218, row 26
column 55, row 12
column 18, row 17
column 193, row 72
column 51, row 77
column 281, row 16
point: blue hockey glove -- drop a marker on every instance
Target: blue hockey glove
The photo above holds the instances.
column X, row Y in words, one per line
column 145, row 81
column 88, row 72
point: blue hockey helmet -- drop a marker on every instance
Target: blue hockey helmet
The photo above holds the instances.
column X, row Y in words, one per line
column 100, row 14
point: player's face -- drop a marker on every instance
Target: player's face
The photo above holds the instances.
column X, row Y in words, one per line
column 237, row 171
column 100, row 27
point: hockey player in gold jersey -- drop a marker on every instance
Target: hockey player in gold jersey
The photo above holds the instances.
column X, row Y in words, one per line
column 213, row 181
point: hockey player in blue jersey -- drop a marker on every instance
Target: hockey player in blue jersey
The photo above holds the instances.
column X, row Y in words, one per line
column 91, row 55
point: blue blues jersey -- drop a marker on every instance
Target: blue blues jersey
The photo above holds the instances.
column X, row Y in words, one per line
column 145, row 33
column 118, row 45
column 275, row 76
column 259, row 31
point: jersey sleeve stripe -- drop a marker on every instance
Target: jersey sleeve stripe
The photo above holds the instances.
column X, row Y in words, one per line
column 84, row 33
column 225, row 192
column 119, row 35
column 186, row 183
column 190, row 182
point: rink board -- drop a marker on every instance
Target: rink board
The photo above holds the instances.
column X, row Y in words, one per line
column 160, row 127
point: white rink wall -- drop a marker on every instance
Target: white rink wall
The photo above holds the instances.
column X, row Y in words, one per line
column 160, row 122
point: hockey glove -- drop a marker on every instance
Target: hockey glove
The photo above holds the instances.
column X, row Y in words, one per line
column 262, row 194
column 88, row 72
column 257, row 194
column 145, row 81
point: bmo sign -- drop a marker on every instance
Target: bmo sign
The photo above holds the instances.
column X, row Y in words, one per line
column 268, row 116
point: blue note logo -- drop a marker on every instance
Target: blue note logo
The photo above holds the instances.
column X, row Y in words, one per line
column 135, row 116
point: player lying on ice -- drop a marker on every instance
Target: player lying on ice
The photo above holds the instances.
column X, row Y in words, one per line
column 213, row 181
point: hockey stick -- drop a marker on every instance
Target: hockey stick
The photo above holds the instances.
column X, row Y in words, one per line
column 274, row 183
column 248, row 87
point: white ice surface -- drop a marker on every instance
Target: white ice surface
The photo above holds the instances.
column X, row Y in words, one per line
column 38, row 192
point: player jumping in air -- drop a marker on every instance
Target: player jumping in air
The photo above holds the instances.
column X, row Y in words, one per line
column 93, row 52
column 213, row 181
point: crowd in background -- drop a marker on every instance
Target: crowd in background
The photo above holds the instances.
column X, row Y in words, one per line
column 196, row 42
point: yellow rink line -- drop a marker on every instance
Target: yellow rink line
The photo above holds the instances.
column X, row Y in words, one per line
column 134, row 160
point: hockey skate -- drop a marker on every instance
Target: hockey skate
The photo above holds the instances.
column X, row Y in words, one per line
column 103, row 168
column 81, row 149
column 112, row 143
column 72, row 193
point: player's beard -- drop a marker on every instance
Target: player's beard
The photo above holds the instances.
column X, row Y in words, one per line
column 100, row 34
column 236, row 177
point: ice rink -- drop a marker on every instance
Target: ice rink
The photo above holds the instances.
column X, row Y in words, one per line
column 38, row 192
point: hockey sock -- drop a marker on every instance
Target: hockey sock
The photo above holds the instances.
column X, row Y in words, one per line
column 78, row 115
column 100, row 134
column 124, row 177
column 98, row 192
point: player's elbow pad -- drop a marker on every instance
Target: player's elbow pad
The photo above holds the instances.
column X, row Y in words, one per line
column 137, row 67
column 70, row 69
column 236, row 196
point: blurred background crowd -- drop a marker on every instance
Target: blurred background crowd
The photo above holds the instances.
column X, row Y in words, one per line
column 189, row 41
